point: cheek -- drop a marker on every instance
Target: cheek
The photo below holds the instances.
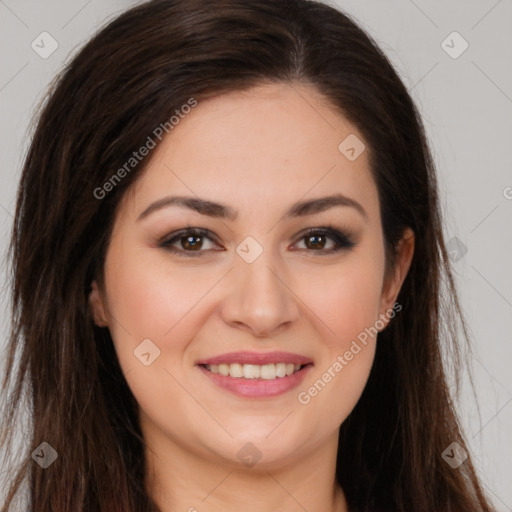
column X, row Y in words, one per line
column 147, row 301
column 334, row 388
column 345, row 301
column 149, row 298
column 329, row 397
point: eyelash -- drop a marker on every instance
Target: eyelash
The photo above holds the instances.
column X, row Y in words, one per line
column 343, row 240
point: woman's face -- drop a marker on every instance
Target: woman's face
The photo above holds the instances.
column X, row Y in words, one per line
column 253, row 281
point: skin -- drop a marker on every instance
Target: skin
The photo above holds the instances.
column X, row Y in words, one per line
column 258, row 152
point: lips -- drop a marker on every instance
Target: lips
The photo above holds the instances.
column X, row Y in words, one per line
column 259, row 387
column 256, row 358
column 254, row 374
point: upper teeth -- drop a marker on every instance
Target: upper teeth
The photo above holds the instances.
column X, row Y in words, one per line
column 254, row 371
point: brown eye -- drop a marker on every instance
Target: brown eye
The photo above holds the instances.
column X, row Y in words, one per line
column 326, row 240
column 192, row 242
column 315, row 241
column 189, row 241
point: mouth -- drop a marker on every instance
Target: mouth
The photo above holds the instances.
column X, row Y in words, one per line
column 256, row 375
column 269, row 371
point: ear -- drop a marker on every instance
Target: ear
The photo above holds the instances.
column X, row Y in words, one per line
column 392, row 284
column 97, row 306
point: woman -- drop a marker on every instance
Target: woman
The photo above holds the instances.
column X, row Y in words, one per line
column 228, row 259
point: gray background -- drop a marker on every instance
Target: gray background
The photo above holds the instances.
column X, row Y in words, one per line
column 466, row 103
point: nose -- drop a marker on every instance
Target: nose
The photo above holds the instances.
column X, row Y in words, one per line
column 259, row 298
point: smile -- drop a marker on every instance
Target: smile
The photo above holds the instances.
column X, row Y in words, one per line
column 256, row 381
column 253, row 371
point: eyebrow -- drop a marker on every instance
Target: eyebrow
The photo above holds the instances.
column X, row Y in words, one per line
column 217, row 210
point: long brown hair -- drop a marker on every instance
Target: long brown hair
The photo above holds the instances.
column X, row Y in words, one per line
column 129, row 79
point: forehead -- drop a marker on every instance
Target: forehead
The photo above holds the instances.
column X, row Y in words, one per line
column 274, row 143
